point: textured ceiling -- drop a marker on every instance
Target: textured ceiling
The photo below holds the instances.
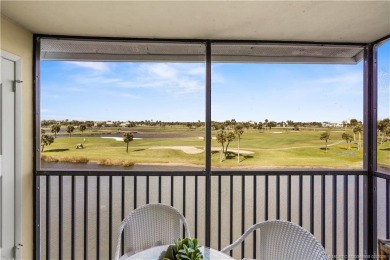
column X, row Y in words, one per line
column 321, row 21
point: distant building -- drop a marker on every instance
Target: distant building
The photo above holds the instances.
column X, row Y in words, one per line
column 331, row 124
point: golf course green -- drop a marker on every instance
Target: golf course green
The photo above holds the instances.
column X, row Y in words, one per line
column 179, row 145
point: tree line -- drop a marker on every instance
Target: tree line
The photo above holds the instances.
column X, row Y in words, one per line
column 216, row 125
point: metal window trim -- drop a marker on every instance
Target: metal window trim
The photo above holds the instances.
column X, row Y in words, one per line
column 370, row 158
column 36, row 144
column 381, row 41
column 376, row 45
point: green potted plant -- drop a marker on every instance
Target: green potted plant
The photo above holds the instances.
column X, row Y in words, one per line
column 184, row 249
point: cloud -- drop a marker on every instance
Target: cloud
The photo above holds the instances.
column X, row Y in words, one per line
column 46, row 95
column 75, row 89
column 172, row 78
column 121, row 94
column 96, row 80
column 346, row 79
column 384, row 77
column 169, row 77
column 95, row 66
column 161, row 70
column 198, row 71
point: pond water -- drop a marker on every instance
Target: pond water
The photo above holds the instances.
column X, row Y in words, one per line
column 95, row 166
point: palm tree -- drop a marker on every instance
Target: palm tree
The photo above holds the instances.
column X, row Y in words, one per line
column 325, row 136
column 221, row 138
column 358, row 129
column 354, row 123
column 46, row 140
column 383, row 125
column 55, row 129
column 70, row 130
column 238, row 130
column 127, row 138
column 229, row 138
column 82, row 128
column 348, row 138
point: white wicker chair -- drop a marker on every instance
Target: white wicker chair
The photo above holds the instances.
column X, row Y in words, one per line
column 151, row 225
column 283, row 240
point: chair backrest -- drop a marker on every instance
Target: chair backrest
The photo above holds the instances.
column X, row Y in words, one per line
column 151, row 225
column 284, row 240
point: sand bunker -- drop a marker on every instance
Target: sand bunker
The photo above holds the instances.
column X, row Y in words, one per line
column 194, row 150
column 186, row 149
column 232, row 150
column 120, row 139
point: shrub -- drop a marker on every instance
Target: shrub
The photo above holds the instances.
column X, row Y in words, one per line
column 48, row 158
column 111, row 162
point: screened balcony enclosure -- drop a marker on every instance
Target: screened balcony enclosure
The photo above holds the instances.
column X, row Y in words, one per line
column 233, row 112
column 325, row 189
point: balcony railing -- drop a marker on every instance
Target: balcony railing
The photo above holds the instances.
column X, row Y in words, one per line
column 79, row 212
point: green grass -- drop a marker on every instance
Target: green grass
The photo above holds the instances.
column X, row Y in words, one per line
column 384, row 154
column 296, row 149
column 97, row 148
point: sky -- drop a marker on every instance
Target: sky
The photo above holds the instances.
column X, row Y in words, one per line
column 135, row 91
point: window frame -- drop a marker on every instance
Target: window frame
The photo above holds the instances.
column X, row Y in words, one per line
column 208, row 171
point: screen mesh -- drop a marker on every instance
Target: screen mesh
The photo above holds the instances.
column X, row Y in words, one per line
column 98, row 50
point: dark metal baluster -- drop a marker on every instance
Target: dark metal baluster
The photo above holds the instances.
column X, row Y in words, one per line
column 231, row 211
column 147, row 189
column 73, row 254
column 196, row 206
column 242, row 213
column 289, row 197
column 135, row 191
column 334, row 215
column 387, row 208
column 277, row 196
column 110, row 218
column 345, row 215
column 123, row 203
column 85, row 217
column 172, row 188
column 219, row 211
column 266, row 198
column 184, row 201
column 48, row 200
column 159, row 189
column 97, row 217
column 60, row 218
column 254, row 213
column 184, row 195
column 312, row 204
column 300, row 200
column 323, row 209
